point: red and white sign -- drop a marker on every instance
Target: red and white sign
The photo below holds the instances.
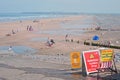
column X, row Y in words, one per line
column 91, row 60
column 106, row 64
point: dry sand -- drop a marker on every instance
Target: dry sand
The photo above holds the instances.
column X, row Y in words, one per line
column 48, row 63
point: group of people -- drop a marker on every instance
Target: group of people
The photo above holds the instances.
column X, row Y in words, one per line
column 29, row 28
column 67, row 38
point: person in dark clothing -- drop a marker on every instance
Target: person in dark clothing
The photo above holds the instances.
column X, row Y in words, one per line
column 52, row 41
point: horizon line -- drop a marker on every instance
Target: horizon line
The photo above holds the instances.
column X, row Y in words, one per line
column 58, row 12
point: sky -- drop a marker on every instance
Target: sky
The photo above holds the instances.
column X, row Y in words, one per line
column 81, row 6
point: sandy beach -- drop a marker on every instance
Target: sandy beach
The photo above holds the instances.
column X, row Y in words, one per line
column 43, row 62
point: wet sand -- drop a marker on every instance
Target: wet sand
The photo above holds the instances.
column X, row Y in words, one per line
column 48, row 63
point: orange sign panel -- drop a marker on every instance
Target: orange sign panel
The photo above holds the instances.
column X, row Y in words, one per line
column 75, row 60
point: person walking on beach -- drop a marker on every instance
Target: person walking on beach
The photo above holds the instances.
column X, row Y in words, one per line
column 66, row 36
column 28, row 28
column 109, row 43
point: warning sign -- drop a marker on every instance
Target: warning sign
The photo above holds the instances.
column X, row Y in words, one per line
column 106, row 55
column 75, row 60
column 91, row 60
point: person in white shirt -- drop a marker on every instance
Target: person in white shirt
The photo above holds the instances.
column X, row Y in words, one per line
column 10, row 48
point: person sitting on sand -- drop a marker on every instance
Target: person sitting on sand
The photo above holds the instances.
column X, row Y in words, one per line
column 50, row 42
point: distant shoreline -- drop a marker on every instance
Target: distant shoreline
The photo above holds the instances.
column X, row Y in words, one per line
column 10, row 17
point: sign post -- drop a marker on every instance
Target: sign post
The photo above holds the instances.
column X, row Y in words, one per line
column 91, row 60
column 75, row 60
column 107, row 61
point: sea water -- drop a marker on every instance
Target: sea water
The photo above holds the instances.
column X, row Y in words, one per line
column 20, row 49
column 5, row 17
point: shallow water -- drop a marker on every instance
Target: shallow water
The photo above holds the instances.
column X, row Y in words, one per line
column 63, row 74
column 19, row 49
column 62, row 32
column 75, row 27
column 78, row 26
column 39, row 39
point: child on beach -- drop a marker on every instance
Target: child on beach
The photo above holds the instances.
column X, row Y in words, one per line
column 10, row 48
